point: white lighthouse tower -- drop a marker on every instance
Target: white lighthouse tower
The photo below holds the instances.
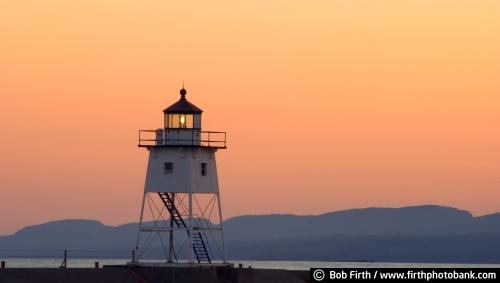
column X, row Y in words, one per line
column 181, row 215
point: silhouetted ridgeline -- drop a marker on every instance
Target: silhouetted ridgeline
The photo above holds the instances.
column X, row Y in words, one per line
column 414, row 221
column 410, row 234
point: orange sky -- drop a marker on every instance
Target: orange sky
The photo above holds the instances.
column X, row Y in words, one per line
column 328, row 105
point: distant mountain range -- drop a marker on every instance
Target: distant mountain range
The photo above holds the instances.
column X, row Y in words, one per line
column 409, row 234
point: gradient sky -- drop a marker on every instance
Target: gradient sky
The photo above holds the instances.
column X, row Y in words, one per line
column 328, row 105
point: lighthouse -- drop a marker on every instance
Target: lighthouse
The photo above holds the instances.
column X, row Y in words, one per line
column 181, row 215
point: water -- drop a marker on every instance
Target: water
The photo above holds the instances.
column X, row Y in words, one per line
column 292, row 265
column 301, row 265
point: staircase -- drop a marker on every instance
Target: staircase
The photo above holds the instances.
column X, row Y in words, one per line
column 199, row 246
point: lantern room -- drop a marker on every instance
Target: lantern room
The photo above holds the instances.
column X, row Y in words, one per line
column 182, row 127
column 182, row 114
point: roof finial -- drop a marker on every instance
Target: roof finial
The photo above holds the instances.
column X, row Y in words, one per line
column 183, row 92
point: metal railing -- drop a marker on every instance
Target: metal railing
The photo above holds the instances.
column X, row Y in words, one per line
column 182, row 137
column 46, row 258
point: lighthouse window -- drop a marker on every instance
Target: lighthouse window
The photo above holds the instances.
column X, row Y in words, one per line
column 168, row 167
column 175, row 121
column 203, row 169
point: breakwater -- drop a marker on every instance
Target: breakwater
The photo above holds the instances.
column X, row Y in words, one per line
column 127, row 274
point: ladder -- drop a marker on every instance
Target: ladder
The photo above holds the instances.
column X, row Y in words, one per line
column 199, row 246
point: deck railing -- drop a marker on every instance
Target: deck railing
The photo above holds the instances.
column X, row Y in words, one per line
column 182, row 137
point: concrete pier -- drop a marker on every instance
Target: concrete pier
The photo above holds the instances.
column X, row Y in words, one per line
column 128, row 274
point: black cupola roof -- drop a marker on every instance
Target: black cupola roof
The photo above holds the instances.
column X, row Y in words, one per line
column 183, row 106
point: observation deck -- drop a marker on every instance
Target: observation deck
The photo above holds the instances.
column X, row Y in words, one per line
column 182, row 138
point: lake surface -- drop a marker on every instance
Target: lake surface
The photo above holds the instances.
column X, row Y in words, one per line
column 293, row 265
